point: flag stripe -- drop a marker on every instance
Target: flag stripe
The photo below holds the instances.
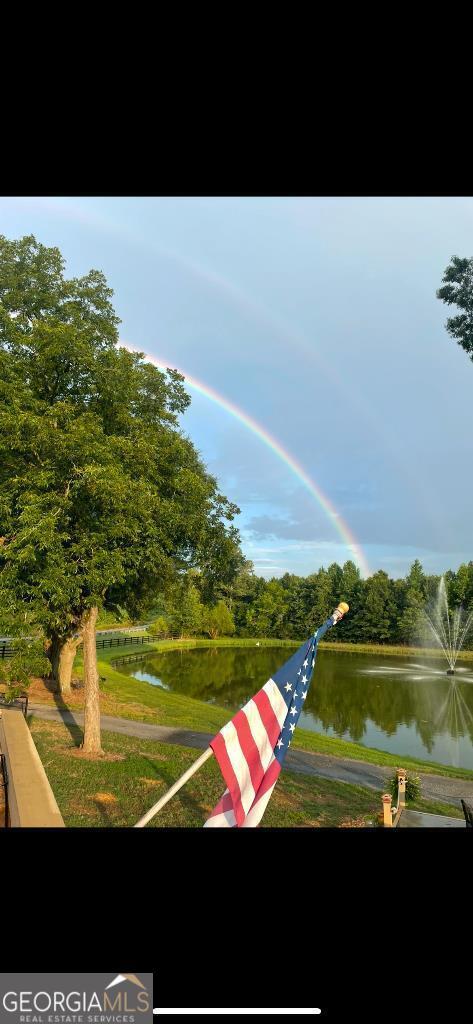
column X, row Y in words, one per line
column 240, row 768
column 224, row 820
column 263, row 796
column 276, row 699
column 220, row 750
column 222, row 814
column 250, row 747
column 268, row 717
column 254, row 816
column 260, row 734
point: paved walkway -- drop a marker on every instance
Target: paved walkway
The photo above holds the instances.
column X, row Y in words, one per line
column 327, row 766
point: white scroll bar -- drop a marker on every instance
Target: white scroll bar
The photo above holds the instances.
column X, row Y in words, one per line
column 316, row 1009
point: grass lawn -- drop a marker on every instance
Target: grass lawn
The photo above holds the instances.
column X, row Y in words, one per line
column 128, row 697
column 118, row 789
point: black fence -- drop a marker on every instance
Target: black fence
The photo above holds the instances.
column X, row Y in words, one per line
column 128, row 658
column 7, row 650
column 18, row 702
column 127, row 641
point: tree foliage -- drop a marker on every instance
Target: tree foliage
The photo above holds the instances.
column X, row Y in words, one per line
column 102, row 496
column 457, row 290
column 382, row 610
column 218, row 621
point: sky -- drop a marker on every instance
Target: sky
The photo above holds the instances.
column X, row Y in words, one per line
column 327, row 397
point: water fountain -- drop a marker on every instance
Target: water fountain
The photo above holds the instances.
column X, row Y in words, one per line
column 448, row 629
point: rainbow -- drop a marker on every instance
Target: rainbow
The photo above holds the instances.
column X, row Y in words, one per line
column 256, row 312
column 275, row 446
column 64, row 207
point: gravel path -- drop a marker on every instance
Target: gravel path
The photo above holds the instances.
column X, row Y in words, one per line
column 327, row 766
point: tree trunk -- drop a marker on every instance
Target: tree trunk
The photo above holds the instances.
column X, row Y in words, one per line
column 91, row 743
column 66, row 662
column 53, row 651
column 61, row 653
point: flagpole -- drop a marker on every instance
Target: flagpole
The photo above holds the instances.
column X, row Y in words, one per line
column 338, row 614
column 174, row 789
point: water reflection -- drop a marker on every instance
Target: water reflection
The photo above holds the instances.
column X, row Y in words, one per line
column 403, row 705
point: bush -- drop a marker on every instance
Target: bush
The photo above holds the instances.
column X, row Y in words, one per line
column 29, row 659
column 218, row 621
column 412, row 787
column 160, row 625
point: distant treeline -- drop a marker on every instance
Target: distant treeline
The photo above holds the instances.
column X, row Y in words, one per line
column 382, row 610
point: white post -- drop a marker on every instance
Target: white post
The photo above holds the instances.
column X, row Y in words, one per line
column 174, row 789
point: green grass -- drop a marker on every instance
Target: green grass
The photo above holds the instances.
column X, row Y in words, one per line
column 118, row 792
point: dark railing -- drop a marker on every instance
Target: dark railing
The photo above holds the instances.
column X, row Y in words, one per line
column 4, row 786
column 127, row 658
column 7, row 651
column 19, row 702
column 127, row 641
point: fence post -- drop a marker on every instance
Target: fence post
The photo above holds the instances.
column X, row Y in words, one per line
column 401, row 787
column 387, row 816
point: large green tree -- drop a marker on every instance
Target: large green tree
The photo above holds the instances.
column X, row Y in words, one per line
column 218, row 621
column 102, row 498
column 184, row 609
column 457, row 290
column 266, row 614
column 414, row 601
column 377, row 613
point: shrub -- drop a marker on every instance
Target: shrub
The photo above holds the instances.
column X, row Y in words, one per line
column 29, row 659
column 218, row 621
column 412, row 787
column 160, row 625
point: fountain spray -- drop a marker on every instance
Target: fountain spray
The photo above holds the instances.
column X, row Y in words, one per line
column 449, row 629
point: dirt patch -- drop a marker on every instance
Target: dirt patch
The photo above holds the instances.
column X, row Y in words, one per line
column 43, row 690
column 151, row 782
column 85, row 756
column 104, row 799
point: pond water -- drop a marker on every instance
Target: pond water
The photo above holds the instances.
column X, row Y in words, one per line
column 405, row 705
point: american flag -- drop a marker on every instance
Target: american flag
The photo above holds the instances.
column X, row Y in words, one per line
column 251, row 748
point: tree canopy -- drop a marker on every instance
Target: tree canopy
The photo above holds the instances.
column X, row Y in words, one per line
column 101, row 493
column 102, row 496
column 457, row 290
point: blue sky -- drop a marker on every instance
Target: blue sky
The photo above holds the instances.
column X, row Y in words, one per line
column 318, row 318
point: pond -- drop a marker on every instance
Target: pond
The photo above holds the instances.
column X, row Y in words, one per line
column 404, row 705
